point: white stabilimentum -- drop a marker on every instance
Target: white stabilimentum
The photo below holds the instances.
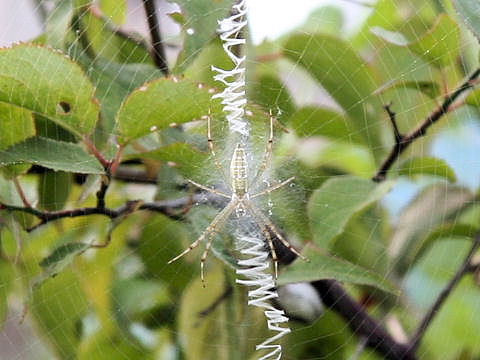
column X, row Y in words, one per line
column 233, row 96
column 255, row 268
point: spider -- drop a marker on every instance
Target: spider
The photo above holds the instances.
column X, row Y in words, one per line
column 240, row 200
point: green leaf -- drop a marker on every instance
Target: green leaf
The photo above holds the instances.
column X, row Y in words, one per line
column 331, row 335
column 429, row 88
column 55, row 155
column 196, row 331
column 440, row 45
column 270, row 93
column 61, row 257
column 53, row 189
column 8, row 193
column 326, row 19
column 433, row 206
column 182, row 157
column 47, row 82
column 385, row 14
column 315, row 121
column 113, row 9
column 336, row 201
column 136, row 299
column 58, row 307
column 160, row 241
column 426, row 166
column 6, row 281
column 106, row 43
column 114, row 82
column 469, row 12
column 160, row 104
column 200, row 70
column 449, row 230
column 18, row 234
column 345, row 157
column 58, row 23
column 393, row 37
column 16, row 124
column 200, row 22
column 322, row 267
column 473, row 98
column 364, row 240
column 343, row 73
column 458, row 319
column 104, row 345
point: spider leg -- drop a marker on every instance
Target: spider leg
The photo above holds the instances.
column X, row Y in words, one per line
column 209, row 189
column 273, row 188
column 272, row 227
column 212, row 150
column 265, row 231
column 221, row 223
column 268, row 153
column 212, row 228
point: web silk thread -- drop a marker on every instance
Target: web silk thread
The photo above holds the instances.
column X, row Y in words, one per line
column 255, row 268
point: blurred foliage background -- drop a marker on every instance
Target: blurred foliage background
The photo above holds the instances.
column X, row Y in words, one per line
column 86, row 94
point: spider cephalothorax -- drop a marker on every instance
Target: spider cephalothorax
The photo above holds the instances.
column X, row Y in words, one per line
column 240, row 200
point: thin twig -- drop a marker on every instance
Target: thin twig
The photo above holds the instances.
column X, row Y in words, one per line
column 416, row 338
column 391, row 116
column 158, row 51
column 421, row 130
column 20, row 192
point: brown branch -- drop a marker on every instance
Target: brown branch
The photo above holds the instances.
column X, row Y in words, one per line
column 335, row 297
column 166, row 207
column 158, row 51
column 464, row 268
column 406, row 140
column 102, row 192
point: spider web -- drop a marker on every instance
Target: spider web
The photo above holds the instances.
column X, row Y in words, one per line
column 325, row 337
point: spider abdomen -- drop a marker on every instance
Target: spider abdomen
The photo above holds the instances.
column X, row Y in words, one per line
column 238, row 171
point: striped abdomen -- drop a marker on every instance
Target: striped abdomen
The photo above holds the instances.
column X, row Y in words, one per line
column 238, row 171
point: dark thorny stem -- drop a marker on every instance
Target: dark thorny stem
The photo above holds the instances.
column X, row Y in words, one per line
column 464, row 268
column 158, row 50
column 403, row 141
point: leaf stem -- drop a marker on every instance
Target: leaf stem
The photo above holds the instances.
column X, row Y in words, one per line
column 20, row 192
column 93, row 149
